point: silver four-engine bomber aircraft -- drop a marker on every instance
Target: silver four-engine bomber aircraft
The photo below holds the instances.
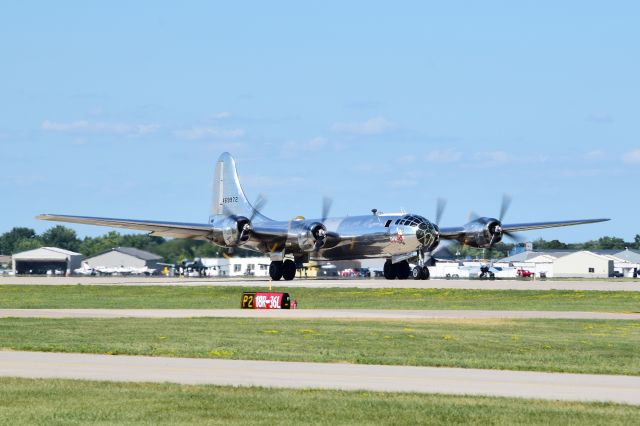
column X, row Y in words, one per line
column 399, row 238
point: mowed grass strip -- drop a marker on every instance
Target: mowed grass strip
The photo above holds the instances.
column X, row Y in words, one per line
column 577, row 346
column 68, row 402
column 164, row 297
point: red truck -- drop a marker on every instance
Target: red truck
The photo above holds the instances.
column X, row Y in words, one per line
column 524, row 273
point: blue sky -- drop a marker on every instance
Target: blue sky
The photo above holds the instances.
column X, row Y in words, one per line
column 120, row 109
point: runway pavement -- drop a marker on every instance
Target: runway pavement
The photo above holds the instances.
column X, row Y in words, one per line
column 333, row 283
column 553, row 386
column 359, row 314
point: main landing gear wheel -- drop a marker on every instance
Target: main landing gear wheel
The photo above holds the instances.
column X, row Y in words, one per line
column 402, row 270
column 288, row 270
column 276, row 269
column 389, row 271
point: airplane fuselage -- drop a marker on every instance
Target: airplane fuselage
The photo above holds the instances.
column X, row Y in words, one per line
column 368, row 236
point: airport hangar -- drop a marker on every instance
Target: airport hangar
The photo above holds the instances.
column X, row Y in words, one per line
column 576, row 264
column 41, row 260
column 125, row 257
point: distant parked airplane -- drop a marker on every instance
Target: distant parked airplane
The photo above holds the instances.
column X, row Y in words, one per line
column 235, row 222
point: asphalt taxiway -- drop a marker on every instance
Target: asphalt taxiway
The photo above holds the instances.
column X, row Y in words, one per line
column 583, row 285
column 357, row 314
column 522, row 384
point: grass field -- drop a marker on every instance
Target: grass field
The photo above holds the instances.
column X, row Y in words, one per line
column 66, row 402
column 19, row 296
column 578, row 346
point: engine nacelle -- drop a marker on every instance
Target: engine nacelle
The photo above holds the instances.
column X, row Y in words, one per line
column 231, row 231
column 312, row 237
column 483, row 232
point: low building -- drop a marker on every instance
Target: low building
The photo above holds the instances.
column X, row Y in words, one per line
column 540, row 263
column 46, row 260
column 5, row 261
column 125, row 257
column 626, row 263
column 583, row 264
column 236, row 266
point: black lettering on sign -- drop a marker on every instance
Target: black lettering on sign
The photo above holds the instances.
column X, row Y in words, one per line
column 227, row 200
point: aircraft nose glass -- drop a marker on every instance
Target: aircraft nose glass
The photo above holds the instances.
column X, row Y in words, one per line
column 425, row 233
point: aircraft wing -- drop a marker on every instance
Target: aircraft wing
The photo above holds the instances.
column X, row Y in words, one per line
column 516, row 227
column 456, row 232
column 196, row 231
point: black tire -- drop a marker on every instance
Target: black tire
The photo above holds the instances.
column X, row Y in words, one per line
column 275, row 270
column 417, row 273
column 288, row 270
column 389, row 271
column 425, row 273
column 403, row 270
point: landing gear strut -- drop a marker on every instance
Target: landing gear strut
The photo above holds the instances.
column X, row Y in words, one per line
column 421, row 271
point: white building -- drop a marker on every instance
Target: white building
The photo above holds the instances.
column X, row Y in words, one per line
column 627, row 262
column 623, row 267
column 46, row 261
column 236, row 266
column 583, row 264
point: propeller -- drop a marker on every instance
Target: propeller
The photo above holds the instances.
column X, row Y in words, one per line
column 504, row 207
column 498, row 231
column 320, row 233
column 326, row 207
column 440, row 206
column 471, row 216
column 243, row 233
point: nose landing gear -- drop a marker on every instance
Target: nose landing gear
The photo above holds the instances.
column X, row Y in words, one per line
column 420, row 273
column 402, row 271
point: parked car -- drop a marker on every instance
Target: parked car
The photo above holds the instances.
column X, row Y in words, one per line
column 364, row 273
column 523, row 273
column 617, row 274
column 348, row 273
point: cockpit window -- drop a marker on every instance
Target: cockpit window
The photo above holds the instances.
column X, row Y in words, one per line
column 411, row 220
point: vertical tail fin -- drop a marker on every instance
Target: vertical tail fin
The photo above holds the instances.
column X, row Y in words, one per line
column 228, row 196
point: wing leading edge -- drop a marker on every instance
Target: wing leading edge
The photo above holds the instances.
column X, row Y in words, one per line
column 455, row 232
column 516, row 227
column 196, row 231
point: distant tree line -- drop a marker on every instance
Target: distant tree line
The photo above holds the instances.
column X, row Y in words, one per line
column 176, row 250
column 171, row 250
